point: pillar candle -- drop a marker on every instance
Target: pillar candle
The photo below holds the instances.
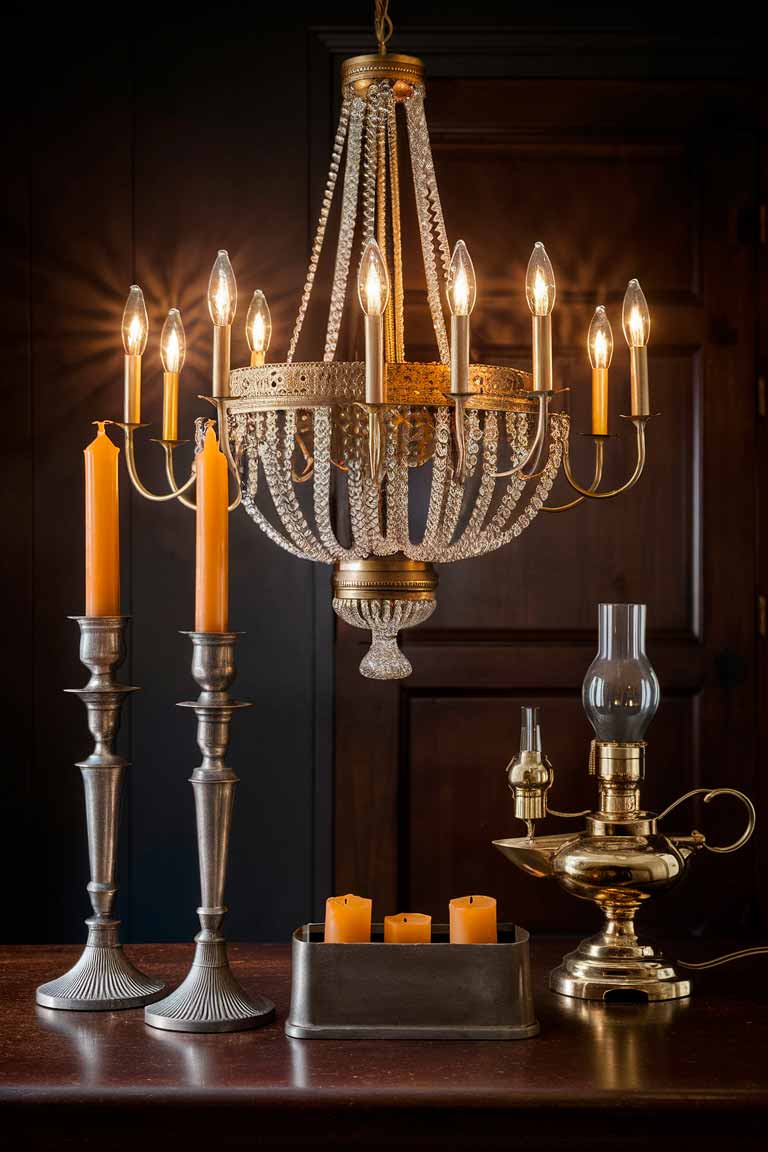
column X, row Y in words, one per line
column 408, row 928
column 102, row 527
column 348, row 919
column 212, row 555
column 473, row 920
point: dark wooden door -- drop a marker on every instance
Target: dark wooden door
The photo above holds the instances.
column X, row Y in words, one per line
column 619, row 177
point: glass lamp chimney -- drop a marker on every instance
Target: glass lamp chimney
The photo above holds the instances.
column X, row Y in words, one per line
column 620, row 692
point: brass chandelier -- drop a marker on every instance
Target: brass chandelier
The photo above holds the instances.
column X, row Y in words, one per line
column 328, row 456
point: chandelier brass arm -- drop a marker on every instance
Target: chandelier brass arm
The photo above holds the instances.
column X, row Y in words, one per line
column 130, row 459
column 596, row 478
column 534, row 453
column 171, row 474
column 177, row 491
column 639, row 423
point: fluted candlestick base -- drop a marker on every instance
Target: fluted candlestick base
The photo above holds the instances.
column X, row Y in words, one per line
column 210, row 998
column 103, row 979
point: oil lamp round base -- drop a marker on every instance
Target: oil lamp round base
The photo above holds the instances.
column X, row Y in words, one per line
column 631, row 972
column 210, row 999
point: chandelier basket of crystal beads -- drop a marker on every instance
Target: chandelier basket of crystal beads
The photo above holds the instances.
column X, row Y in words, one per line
column 328, row 456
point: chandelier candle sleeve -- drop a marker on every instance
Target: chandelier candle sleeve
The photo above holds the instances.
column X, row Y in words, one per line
column 462, row 293
column 173, row 350
column 222, row 305
column 102, row 527
column 135, row 332
column 258, row 328
column 600, row 349
column 373, row 290
column 408, row 928
column 348, row 919
column 636, row 321
column 212, row 552
column 540, row 293
column 473, row 920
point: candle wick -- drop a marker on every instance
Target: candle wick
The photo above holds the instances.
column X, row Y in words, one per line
column 405, row 919
column 345, row 900
column 471, row 899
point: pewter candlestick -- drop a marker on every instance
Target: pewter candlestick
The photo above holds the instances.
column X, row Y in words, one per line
column 103, row 978
column 210, row 999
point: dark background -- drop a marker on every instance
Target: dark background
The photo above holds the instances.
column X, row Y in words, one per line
column 140, row 143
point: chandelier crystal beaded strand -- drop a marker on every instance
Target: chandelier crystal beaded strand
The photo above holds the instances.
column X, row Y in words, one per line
column 328, row 456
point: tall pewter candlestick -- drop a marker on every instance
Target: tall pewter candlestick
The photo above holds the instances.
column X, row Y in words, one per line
column 103, row 978
column 210, row 999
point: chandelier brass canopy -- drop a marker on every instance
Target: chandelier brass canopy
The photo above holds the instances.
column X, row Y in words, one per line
column 384, row 468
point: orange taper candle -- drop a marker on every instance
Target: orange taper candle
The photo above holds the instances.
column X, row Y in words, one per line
column 348, row 919
column 473, row 920
column 212, row 556
column 102, row 527
column 408, row 928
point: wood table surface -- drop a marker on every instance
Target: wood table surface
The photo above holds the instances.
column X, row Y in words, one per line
column 692, row 1072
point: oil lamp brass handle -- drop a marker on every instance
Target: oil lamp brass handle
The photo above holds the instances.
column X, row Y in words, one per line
column 710, row 794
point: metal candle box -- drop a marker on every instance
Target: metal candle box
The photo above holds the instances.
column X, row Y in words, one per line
column 436, row 991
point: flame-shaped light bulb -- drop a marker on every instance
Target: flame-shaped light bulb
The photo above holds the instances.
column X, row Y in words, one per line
column 600, row 340
column 540, row 293
column 540, row 282
column 461, row 290
column 135, row 331
column 222, row 305
column 222, row 291
column 258, row 327
column 635, row 317
column 636, row 321
column 173, row 343
column 173, row 350
column 373, row 281
column 600, row 351
column 462, row 284
column 135, row 323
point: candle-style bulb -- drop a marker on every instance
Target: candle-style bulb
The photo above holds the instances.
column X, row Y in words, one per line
column 222, row 291
column 462, row 285
column 635, row 317
column 135, row 323
column 373, row 281
column 173, row 342
column 258, row 323
column 540, row 282
column 600, row 340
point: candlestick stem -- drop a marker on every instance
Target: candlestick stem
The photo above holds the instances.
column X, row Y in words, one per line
column 103, row 978
column 210, row 999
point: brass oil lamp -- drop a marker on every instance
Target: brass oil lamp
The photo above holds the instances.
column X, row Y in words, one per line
column 620, row 859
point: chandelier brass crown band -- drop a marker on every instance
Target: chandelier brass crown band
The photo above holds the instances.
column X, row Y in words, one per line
column 403, row 72
column 383, row 577
column 315, row 385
